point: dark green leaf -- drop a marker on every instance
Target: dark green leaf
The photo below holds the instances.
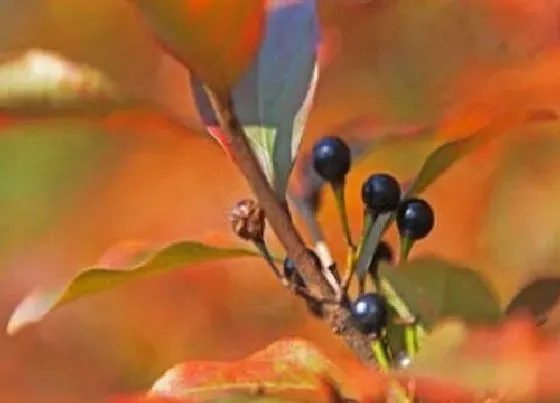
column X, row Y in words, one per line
column 536, row 298
column 96, row 279
column 434, row 289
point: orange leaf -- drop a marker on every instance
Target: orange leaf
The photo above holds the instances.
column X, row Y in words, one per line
column 146, row 399
column 288, row 366
column 216, row 39
column 512, row 362
column 514, row 91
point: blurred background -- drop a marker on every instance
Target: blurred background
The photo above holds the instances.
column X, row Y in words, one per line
column 72, row 189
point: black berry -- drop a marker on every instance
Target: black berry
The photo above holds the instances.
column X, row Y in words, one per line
column 415, row 219
column 384, row 252
column 369, row 313
column 331, row 159
column 381, row 193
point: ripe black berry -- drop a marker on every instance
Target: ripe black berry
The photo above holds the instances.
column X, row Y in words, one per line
column 331, row 159
column 384, row 252
column 415, row 219
column 369, row 313
column 381, row 193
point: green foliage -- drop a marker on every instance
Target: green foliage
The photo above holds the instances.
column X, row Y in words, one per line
column 96, row 279
column 434, row 289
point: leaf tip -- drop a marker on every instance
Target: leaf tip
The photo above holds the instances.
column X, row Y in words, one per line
column 32, row 309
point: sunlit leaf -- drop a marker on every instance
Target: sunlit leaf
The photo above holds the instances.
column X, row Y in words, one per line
column 511, row 363
column 285, row 366
column 297, row 352
column 40, row 84
column 96, row 279
column 273, row 99
column 434, row 289
column 43, row 83
column 536, row 298
column 216, row 39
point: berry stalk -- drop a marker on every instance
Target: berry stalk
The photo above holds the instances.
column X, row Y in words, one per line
column 339, row 196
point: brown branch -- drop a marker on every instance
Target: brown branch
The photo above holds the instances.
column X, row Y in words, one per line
column 279, row 219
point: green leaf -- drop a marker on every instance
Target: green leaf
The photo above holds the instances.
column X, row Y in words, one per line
column 287, row 366
column 536, row 298
column 442, row 159
column 434, row 289
column 98, row 279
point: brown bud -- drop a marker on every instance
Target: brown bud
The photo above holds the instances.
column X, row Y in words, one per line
column 247, row 220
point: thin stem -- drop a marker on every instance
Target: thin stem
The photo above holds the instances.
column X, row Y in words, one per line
column 411, row 340
column 339, row 196
column 380, row 353
column 361, row 285
column 261, row 246
column 276, row 213
column 280, row 221
column 376, row 282
column 405, row 247
column 369, row 219
column 350, row 270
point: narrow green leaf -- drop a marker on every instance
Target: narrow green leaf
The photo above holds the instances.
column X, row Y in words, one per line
column 442, row 159
column 434, row 289
column 97, row 279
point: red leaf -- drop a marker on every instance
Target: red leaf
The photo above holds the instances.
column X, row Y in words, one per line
column 146, row 399
column 216, row 39
column 288, row 366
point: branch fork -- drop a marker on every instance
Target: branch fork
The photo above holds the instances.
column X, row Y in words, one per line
column 318, row 286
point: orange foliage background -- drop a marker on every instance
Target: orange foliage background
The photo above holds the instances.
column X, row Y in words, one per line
column 398, row 62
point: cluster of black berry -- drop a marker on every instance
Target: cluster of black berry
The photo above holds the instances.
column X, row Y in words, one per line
column 381, row 193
